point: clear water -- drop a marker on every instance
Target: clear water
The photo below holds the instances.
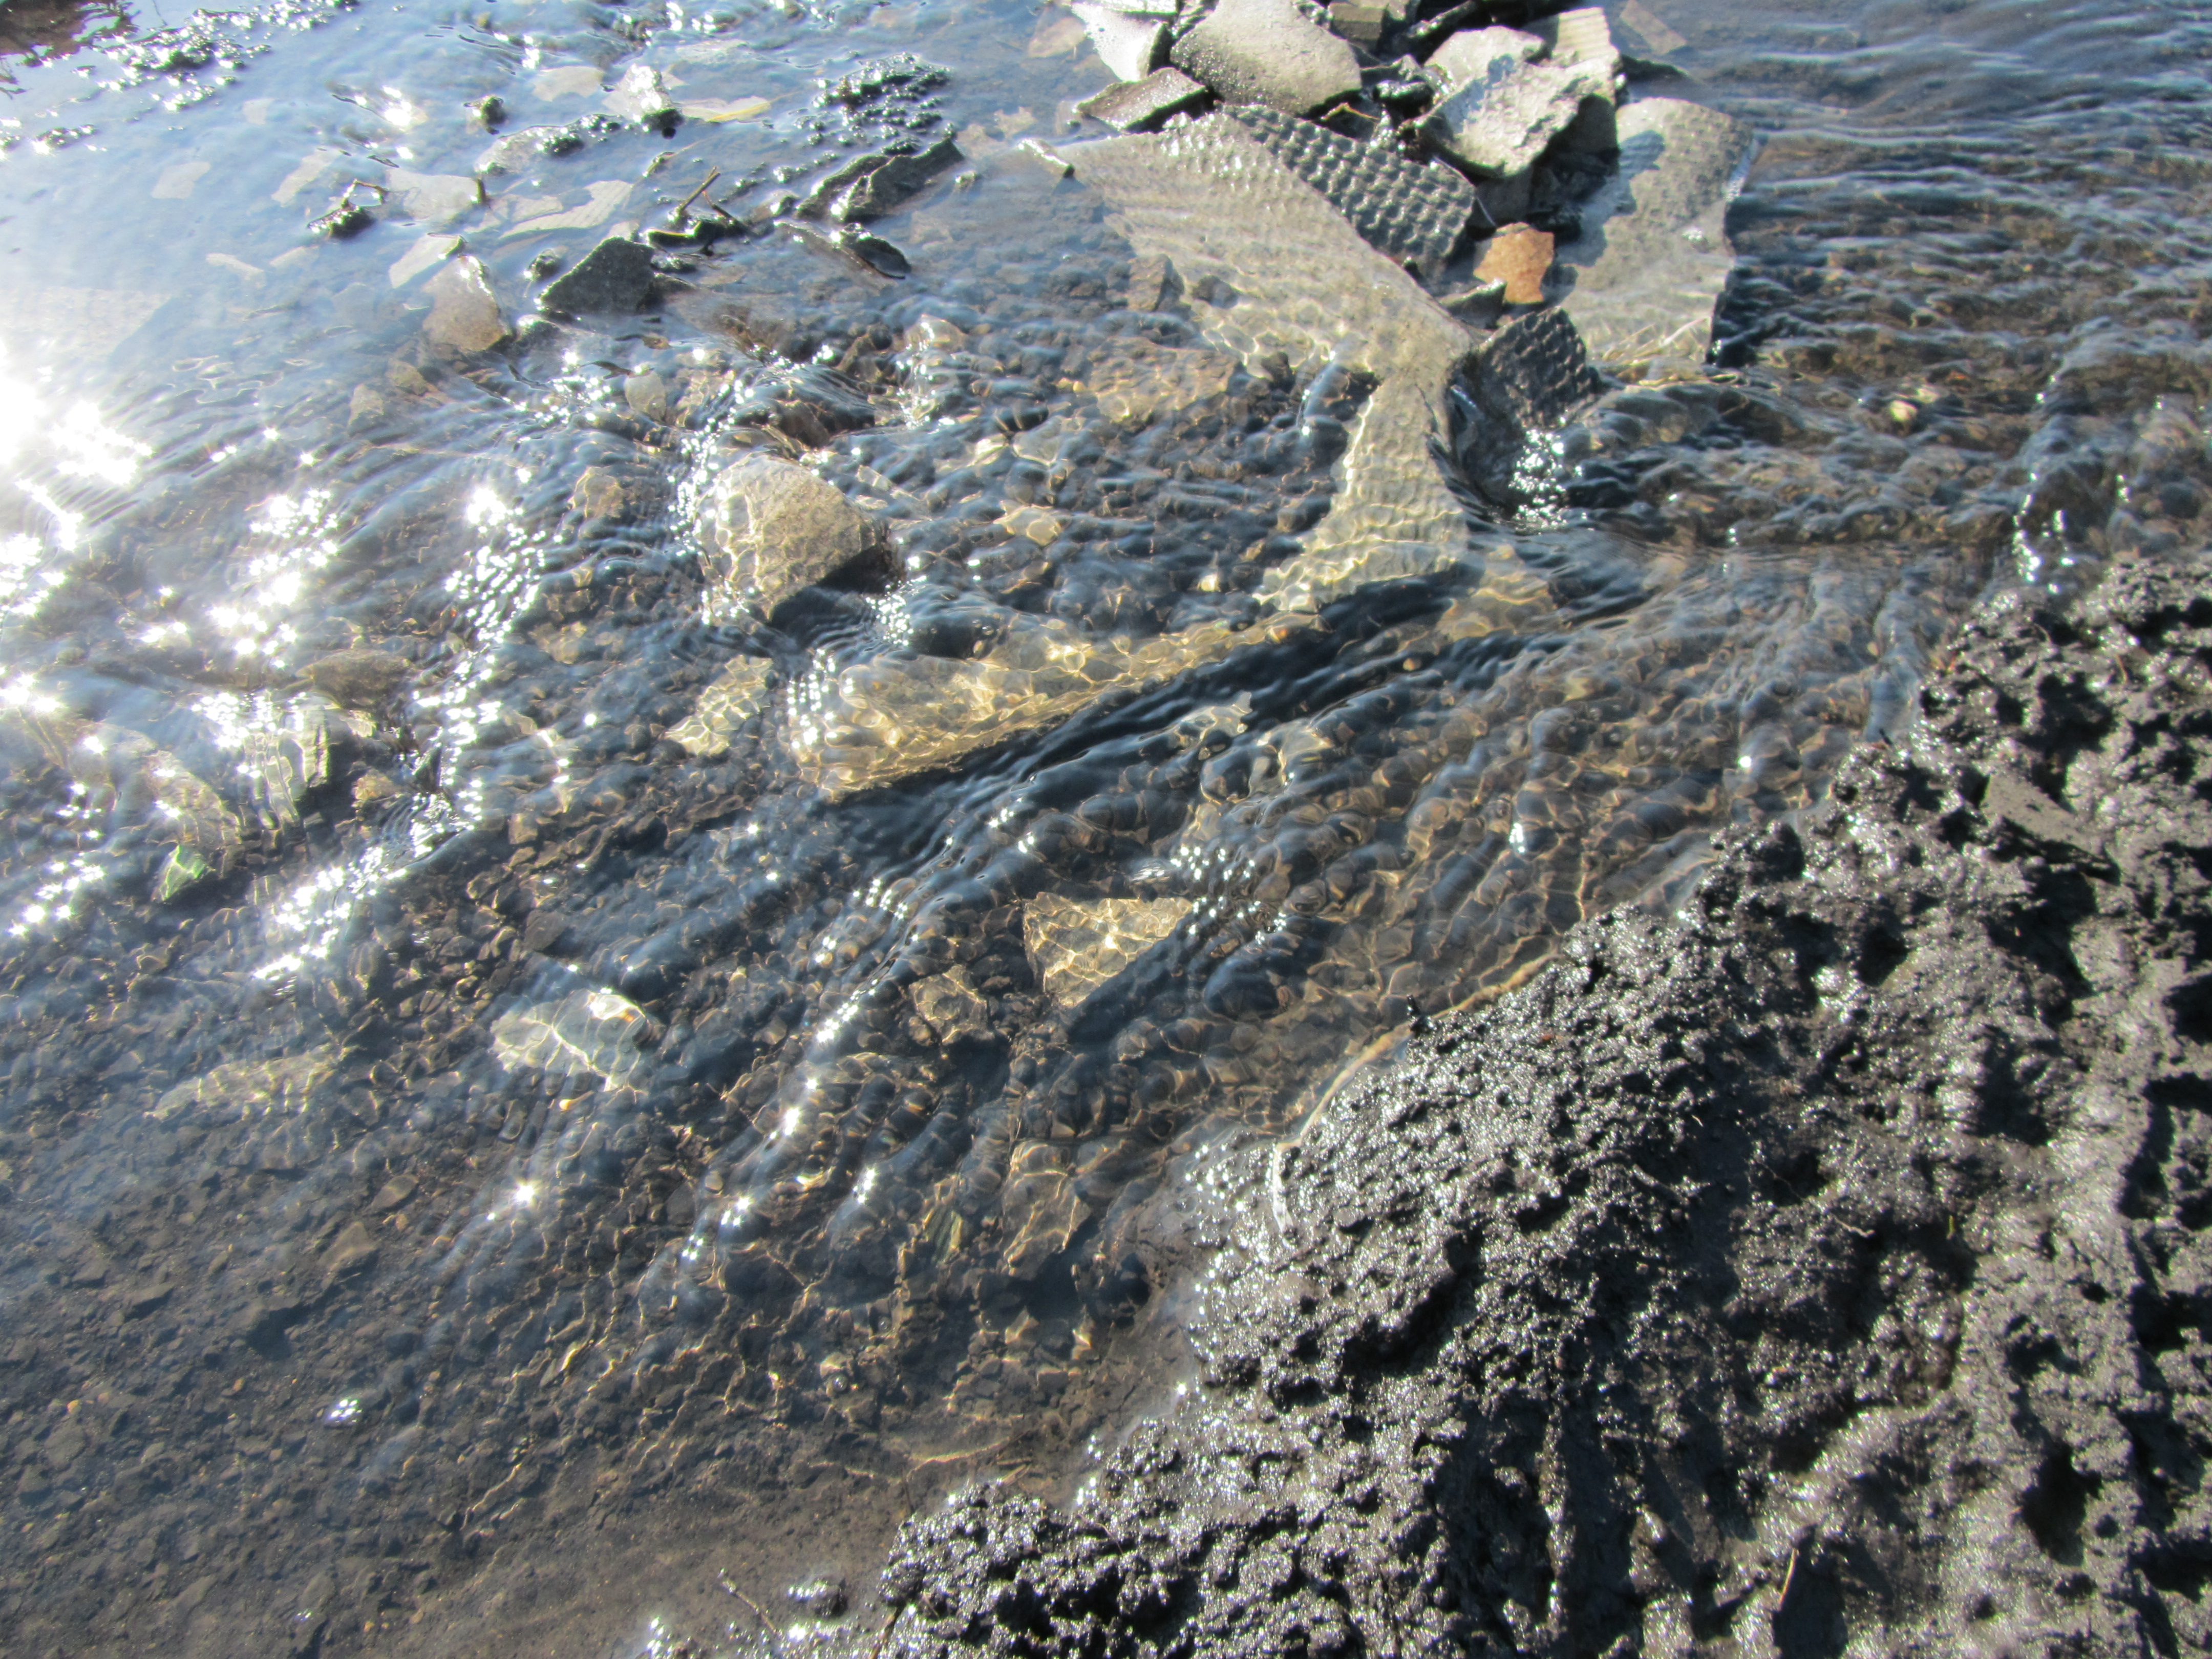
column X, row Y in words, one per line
column 489, row 1165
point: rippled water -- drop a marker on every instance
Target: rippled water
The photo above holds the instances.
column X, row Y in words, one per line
column 542, row 1099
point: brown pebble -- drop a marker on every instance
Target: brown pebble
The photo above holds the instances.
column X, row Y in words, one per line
column 1518, row 256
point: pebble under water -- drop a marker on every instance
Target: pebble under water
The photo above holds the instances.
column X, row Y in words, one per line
column 560, row 1079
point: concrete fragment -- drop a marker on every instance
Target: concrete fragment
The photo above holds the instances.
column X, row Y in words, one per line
column 465, row 313
column 770, row 528
column 1502, row 123
column 1140, row 105
column 1416, row 212
column 1268, row 52
column 1520, row 257
column 1641, row 279
column 1469, row 58
column 1131, row 46
column 615, row 276
column 1534, row 372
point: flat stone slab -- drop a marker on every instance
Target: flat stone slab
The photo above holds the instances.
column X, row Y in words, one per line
column 465, row 314
column 1414, row 211
column 1140, row 105
column 1076, row 947
column 1468, row 58
column 1502, row 123
column 878, row 190
column 1131, row 45
column 1268, row 52
column 1643, row 277
column 615, row 276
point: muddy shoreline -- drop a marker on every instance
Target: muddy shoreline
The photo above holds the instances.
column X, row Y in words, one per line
column 1825, row 1270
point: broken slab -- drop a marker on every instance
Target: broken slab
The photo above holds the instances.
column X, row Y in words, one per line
column 639, row 97
column 1501, row 121
column 1076, row 946
column 1642, row 278
column 770, row 528
column 1140, row 105
column 1468, row 58
column 1305, row 291
column 1131, row 46
column 1414, row 211
column 898, row 715
column 615, row 276
column 1268, row 52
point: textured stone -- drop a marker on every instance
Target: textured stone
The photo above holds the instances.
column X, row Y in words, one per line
column 1643, row 277
column 1413, row 211
column 770, row 528
column 736, row 695
column 1268, row 52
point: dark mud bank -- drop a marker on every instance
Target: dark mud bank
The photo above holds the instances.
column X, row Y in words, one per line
column 1827, row 1267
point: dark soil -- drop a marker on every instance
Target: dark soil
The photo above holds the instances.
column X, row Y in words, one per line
column 1823, row 1268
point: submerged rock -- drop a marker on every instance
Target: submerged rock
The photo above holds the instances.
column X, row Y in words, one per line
column 887, row 181
column 1414, row 211
column 1268, row 52
column 585, row 1033
column 736, row 695
column 615, row 276
column 769, row 528
column 895, row 716
column 465, row 313
column 1642, row 278
column 1077, row 945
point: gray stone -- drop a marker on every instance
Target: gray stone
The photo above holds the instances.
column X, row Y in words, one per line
column 615, row 276
column 1502, row 123
column 1140, row 105
column 883, row 186
column 1467, row 58
column 1268, row 52
column 1131, row 46
column 770, row 528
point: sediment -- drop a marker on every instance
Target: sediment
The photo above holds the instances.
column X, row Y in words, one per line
column 1821, row 1266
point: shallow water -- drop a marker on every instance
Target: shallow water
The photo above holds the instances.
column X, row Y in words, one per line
column 534, row 1090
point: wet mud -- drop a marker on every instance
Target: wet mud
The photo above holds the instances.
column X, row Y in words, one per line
column 1822, row 1273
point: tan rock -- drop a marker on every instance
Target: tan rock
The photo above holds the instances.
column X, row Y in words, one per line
column 770, row 528
column 736, row 695
column 1518, row 256
column 950, row 1006
column 1077, row 945
column 465, row 313
column 599, row 493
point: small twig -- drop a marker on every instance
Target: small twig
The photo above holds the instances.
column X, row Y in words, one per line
column 705, row 185
column 1787, row 1577
column 759, row 1612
